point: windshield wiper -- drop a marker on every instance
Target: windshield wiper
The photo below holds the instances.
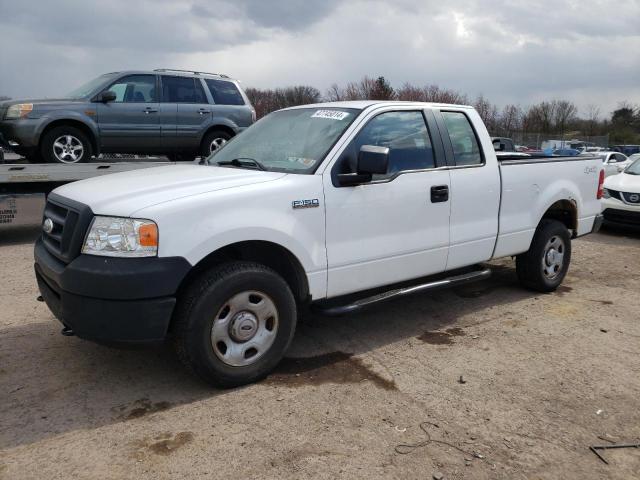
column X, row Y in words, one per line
column 242, row 163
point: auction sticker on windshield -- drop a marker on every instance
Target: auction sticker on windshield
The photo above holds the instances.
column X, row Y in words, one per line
column 331, row 114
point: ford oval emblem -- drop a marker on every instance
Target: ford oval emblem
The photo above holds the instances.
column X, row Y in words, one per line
column 47, row 225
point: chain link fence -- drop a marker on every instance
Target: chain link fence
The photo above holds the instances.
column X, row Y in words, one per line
column 548, row 140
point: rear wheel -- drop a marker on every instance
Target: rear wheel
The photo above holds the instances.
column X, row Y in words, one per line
column 213, row 141
column 545, row 265
column 234, row 323
column 66, row 144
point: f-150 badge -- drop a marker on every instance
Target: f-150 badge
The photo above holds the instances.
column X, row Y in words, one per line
column 314, row 202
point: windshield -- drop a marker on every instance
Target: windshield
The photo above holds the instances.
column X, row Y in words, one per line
column 634, row 168
column 90, row 87
column 292, row 141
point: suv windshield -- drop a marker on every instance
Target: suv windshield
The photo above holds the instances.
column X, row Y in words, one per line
column 634, row 168
column 90, row 87
column 292, row 141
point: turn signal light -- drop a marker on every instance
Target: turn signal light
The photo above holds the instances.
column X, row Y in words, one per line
column 148, row 235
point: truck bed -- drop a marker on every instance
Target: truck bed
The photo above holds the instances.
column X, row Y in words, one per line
column 531, row 184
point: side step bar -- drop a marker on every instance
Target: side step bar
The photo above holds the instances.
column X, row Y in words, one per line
column 400, row 292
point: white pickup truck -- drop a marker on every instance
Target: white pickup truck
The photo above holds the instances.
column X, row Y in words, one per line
column 335, row 205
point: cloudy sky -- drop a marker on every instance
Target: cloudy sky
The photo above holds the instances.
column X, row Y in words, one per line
column 515, row 51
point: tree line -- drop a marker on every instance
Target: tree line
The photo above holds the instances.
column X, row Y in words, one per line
column 552, row 117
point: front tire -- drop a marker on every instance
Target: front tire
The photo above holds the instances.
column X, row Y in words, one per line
column 545, row 265
column 213, row 141
column 66, row 144
column 234, row 323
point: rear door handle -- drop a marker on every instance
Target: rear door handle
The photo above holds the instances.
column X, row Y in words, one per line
column 439, row 193
column 149, row 110
column 203, row 111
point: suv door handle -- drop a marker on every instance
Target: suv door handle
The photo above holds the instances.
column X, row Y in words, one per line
column 149, row 110
column 203, row 111
column 439, row 193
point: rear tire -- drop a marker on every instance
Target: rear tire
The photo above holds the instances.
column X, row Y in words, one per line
column 545, row 265
column 212, row 141
column 66, row 144
column 234, row 323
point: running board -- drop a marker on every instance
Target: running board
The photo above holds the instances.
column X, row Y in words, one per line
column 401, row 292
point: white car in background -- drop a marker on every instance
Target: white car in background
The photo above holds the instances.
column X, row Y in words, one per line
column 614, row 162
column 621, row 196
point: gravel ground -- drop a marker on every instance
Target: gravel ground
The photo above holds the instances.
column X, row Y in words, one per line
column 506, row 383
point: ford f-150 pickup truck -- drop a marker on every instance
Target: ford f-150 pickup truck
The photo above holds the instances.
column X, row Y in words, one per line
column 334, row 206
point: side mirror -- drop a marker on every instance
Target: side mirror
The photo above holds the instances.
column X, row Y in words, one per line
column 372, row 160
column 498, row 146
column 106, row 96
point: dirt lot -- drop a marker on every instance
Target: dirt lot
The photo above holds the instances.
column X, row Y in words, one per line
column 544, row 376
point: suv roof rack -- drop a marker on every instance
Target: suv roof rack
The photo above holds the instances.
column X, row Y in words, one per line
column 190, row 71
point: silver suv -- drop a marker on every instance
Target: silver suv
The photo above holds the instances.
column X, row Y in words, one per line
column 181, row 114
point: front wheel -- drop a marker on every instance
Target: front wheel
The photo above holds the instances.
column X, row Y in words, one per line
column 546, row 263
column 66, row 144
column 234, row 323
column 213, row 141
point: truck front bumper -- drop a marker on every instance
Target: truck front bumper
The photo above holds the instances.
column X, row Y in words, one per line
column 111, row 300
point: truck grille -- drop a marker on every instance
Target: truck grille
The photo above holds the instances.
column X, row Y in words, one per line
column 69, row 222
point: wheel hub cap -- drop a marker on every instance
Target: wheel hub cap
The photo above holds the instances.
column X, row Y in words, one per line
column 553, row 259
column 244, row 326
column 68, row 149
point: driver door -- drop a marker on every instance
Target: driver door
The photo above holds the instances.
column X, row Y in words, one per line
column 396, row 227
column 130, row 122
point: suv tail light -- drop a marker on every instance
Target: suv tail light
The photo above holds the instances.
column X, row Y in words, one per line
column 600, row 185
column 253, row 115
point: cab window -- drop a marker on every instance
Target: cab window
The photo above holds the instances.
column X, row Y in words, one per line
column 404, row 133
column 466, row 150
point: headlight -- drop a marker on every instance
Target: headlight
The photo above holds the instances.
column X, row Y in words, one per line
column 605, row 193
column 121, row 237
column 19, row 110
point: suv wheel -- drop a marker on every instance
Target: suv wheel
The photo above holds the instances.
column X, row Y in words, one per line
column 212, row 141
column 234, row 323
column 546, row 263
column 66, row 144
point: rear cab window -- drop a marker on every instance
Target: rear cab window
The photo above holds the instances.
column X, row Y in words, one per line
column 464, row 142
column 182, row 90
column 224, row 92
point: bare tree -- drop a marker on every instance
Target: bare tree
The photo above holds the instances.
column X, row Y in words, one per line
column 487, row 111
column 510, row 120
column 592, row 120
column 564, row 112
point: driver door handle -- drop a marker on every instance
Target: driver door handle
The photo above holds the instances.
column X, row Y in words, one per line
column 439, row 193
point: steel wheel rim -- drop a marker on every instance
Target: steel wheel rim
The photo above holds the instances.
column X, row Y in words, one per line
column 553, row 258
column 244, row 328
column 68, row 149
column 217, row 143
